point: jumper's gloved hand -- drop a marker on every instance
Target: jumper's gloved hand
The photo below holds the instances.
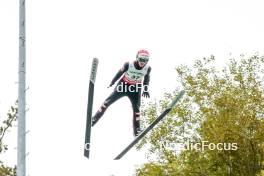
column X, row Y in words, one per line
column 137, row 131
column 146, row 94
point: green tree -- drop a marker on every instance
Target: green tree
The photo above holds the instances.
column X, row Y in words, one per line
column 5, row 126
column 220, row 106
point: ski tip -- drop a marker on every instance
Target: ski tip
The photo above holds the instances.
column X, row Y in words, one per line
column 182, row 92
column 94, row 69
column 87, row 155
column 118, row 157
column 178, row 97
column 95, row 60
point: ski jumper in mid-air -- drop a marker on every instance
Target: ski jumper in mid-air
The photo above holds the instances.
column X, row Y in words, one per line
column 135, row 77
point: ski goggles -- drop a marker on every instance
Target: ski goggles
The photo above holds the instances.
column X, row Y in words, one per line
column 142, row 59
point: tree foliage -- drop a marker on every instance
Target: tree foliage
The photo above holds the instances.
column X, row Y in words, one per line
column 5, row 126
column 220, row 106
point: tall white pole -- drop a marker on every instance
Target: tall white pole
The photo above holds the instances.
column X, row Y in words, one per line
column 21, row 138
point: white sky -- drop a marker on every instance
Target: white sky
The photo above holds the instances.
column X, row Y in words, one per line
column 62, row 38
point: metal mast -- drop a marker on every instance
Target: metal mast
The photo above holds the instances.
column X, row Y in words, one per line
column 21, row 138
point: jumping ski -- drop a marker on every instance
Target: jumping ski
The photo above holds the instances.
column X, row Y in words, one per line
column 90, row 107
column 158, row 119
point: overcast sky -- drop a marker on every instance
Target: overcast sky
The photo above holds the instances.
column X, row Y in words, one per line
column 62, row 38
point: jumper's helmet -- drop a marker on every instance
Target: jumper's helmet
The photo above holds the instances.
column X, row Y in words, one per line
column 142, row 56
